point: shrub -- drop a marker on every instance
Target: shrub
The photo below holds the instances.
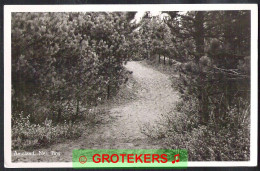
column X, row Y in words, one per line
column 29, row 135
column 212, row 142
column 212, row 118
column 61, row 62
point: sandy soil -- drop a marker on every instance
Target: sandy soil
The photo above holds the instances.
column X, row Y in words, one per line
column 123, row 128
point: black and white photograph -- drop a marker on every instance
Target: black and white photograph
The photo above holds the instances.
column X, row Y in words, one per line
column 131, row 78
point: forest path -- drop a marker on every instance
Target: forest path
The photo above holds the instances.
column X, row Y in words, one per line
column 123, row 128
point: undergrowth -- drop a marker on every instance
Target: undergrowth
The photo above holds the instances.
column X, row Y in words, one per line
column 26, row 135
column 180, row 130
column 224, row 137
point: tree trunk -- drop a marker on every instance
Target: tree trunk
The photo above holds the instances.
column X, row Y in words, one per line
column 199, row 43
column 108, row 91
column 164, row 60
column 59, row 110
column 77, row 111
column 199, row 34
column 159, row 58
column 109, row 78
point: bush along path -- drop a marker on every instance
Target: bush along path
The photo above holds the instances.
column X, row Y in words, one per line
column 127, row 122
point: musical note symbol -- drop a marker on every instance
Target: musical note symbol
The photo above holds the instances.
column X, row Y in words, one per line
column 177, row 155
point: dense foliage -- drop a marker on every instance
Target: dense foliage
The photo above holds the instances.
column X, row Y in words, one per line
column 65, row 62
column 211, row 51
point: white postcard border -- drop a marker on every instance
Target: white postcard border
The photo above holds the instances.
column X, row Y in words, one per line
column 8, row 9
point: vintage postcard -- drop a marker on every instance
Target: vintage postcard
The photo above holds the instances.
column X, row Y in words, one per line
column 169, row 85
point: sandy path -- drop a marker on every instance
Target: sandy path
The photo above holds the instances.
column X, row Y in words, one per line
column 123, row 130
